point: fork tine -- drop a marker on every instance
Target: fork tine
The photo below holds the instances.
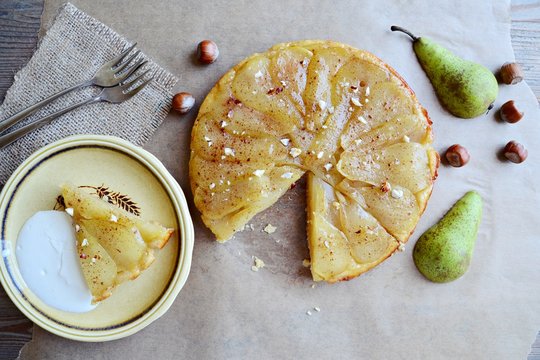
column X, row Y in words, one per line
column 120, row 57
column 122, row 66
column 140, row 63
column 139, row 88
column 127, row 85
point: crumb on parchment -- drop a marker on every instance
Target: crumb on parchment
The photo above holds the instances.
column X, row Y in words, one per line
column 269, row 229
column 258, row 264
column 315, row 308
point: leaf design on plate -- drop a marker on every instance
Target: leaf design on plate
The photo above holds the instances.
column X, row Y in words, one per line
column 60, row 205
column 115, row 198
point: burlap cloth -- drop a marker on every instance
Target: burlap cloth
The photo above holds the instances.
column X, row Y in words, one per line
column 73, row 49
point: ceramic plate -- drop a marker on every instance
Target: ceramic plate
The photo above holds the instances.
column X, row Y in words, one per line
column 121, row 166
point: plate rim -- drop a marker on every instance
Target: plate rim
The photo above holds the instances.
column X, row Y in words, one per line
column 185, row 238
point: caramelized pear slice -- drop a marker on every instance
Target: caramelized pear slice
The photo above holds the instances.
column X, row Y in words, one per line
column 247, row 122
column 412, row 128
column 355, row 77
column 369, row 241
column 87, row 206
column 396, row 209
column 228, row 211
column 318, row 93
column 288, row 68
column 331, row 258
column 386, row 101
column 405, row 164
column 344, row 239
column 216, row 144
column 123, row 243
column 236, row 118
column 99, row 269
column 255, row 88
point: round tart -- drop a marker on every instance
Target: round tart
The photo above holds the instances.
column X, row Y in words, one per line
column 337, row 113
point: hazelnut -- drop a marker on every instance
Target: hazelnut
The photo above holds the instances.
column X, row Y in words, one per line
column 510, row 113
column 183, row 102
column 457, row 155
column 207, row 52
column 515, row 152
column 511, row 73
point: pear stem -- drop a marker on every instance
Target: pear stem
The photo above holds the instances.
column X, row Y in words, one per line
column 399, row 28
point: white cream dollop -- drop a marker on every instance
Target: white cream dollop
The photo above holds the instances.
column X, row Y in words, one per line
column 47, row 257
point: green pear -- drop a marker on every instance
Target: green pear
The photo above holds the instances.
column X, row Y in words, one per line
column 443, row 253
column 466, row 89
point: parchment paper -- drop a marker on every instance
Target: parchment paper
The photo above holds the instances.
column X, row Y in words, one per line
column 228, row 311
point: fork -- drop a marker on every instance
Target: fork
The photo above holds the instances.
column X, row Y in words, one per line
column 108, row 75
column 114, row 95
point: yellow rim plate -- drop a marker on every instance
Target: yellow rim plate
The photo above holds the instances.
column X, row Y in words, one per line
column 95, row 161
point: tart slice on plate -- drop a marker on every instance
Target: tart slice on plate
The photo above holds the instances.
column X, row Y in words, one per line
column 337, row 113
column 113, row 245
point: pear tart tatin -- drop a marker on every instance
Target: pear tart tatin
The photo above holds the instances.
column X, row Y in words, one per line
column 341, row 115
column 113, row 245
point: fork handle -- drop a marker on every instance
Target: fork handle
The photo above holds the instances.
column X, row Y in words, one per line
column 36, row 124
column 14, row 119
